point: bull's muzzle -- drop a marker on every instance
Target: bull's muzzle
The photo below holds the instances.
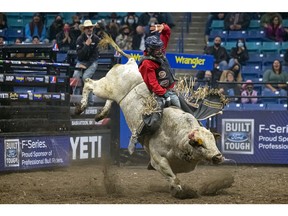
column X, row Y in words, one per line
column 217, row 159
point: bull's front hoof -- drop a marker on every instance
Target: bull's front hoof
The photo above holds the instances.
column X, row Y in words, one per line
column 184, row 193
column 78, row 110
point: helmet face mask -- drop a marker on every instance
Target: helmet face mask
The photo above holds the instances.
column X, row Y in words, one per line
column 154, row 46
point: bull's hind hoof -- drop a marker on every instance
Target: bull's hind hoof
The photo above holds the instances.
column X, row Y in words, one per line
column 185, row 193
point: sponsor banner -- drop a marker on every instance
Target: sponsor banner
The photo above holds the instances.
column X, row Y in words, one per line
column 90, row 146
column 33, row 152
column 179, row 60
column 249, row 137
column 88, row 122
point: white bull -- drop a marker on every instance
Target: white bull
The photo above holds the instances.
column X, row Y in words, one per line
column 178, row 145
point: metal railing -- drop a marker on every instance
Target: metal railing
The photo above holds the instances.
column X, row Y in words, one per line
column 184, row 29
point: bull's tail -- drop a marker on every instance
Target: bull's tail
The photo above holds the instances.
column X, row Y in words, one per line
column 108, row 40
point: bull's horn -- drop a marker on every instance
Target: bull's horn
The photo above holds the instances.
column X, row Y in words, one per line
column 108, row 40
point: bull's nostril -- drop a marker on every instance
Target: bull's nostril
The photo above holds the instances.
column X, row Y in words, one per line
column 217, row 158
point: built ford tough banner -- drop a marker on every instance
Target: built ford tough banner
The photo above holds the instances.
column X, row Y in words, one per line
column 249, row 137
column 34, row 152
column 179, row 60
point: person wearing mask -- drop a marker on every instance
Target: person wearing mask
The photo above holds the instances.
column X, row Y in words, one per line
column 65, row 40
column 131, row 19
column 55, row 27
column 220, row 54
column 239, row 54
column 124, row 39
column 87, row 55
column 74, row 26
column 248, row 91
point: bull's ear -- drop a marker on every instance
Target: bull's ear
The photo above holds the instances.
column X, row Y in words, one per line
column 216, row 135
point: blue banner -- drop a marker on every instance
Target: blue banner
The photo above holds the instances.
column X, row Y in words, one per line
column 21, row 153
column 249, row 138
column 179, row 60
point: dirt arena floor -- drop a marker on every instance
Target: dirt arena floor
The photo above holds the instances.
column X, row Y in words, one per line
column 102, row 184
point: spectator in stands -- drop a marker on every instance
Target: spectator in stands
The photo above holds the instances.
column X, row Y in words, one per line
column 138, row 40
column 3, row 21
column 2, row 41
column 87, row 53
column 65, row 40
column 220, row 54
column 239, row 54
column 274, row 30
column 18, row 55
column 124, row 39
column 131, row 19
column 275, row 75
column 249, row 91
column 35, row 40
column 55, row 28
column 100, row 28
column 236, row 73
column 74, row 26
column 113, row 26
column 230, row 88
column 35, row 28
column 236, row 21
column 211, row 17
column 168, row 19
column 266, row 18
column 208, row 77
column 145, row 18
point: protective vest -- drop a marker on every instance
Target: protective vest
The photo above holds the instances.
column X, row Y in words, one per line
column 164, row 73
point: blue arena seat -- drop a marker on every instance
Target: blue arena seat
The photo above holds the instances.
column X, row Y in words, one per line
column 285, row 23
column 3, row 32
column 235, row 35
column 255, row 58
column 270, row 47
column 233, row 106
column 251, row 72
column 229, row 45
column 276, row 106
column 217, row 24
column 254, row 24
column 13, row 33
column 255, row 35
column 269, row 58
column 217, row 32
column 283, row 47
column 254, row 106
column 253, row 46
column 15, row 22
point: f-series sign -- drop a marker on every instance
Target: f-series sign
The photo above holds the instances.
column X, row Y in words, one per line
column 88, row 147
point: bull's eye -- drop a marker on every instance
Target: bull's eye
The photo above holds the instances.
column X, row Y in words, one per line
column 195, row 144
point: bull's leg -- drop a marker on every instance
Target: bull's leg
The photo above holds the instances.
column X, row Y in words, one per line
column 104, row 111
column 88, row 86
column 161, row 164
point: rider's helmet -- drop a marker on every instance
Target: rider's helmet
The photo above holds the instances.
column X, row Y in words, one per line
column 154, row 45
